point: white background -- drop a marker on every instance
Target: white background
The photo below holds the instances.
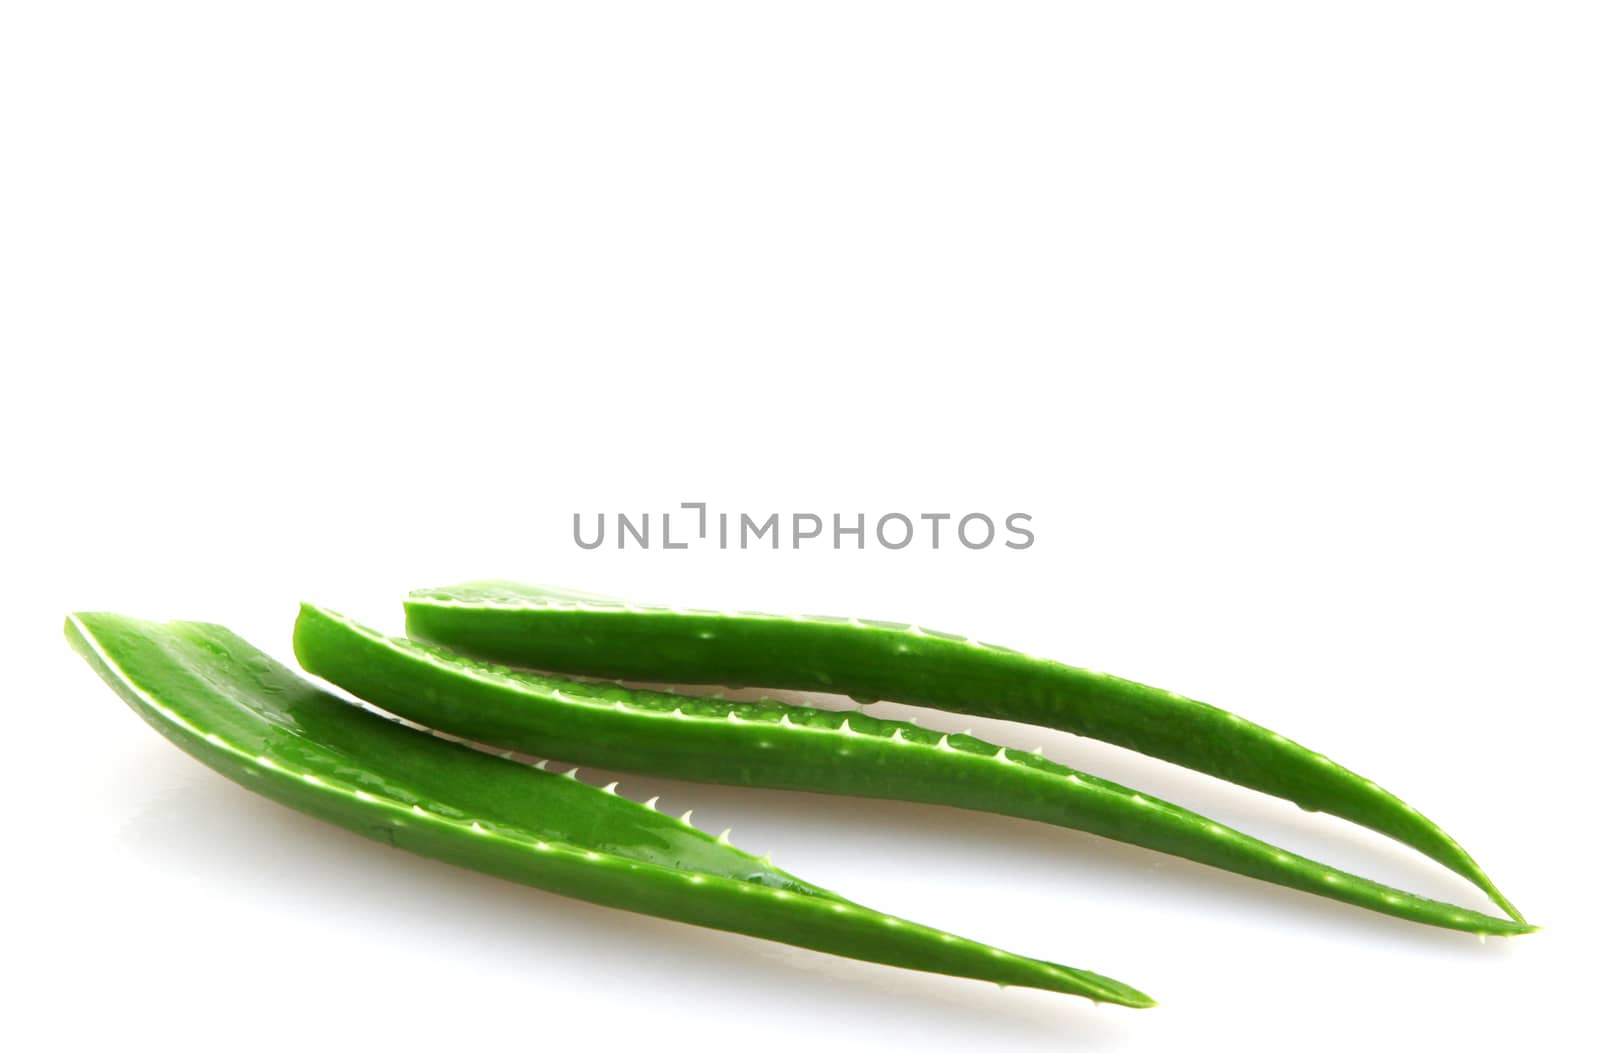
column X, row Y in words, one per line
column 1279, row 319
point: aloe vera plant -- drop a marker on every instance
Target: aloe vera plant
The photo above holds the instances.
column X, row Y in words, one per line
column 252, row 720
column 774, row 745
column 564, row 631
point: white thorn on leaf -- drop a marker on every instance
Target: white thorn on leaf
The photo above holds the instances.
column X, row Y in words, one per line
column 651, row 803
column 543, row 765
column 722, row 838
column 610, row 787
column 688, row 816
